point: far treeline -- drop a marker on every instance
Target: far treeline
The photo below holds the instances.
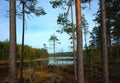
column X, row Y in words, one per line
column 30, row 53
column 62, row 54
column 43, row 53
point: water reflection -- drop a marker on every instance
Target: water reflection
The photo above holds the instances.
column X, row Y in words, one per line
column 62, row 61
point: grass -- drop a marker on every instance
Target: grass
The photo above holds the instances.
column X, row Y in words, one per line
column 61, row 73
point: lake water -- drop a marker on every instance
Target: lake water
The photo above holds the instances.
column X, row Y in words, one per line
column 62, row 61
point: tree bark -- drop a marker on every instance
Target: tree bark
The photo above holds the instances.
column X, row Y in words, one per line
column 80, row 69
column 104, row 52
column 12, row 48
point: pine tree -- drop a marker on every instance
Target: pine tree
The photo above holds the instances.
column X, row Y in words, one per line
column 12, row 49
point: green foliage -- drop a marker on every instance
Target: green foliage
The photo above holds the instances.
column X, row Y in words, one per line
column 30, row 53
column 84, row 24
column 92, row 62
column 66, row 24
column 41, row 53
column 35, row 53
column 113, row 16
column 62, row 20
column 27, row 52
column 57, row 3
column 63, row 54
column 86, row 1
column 53, row 38
column 112, row 23
column 95, row 38
column 32, row 7
column 61, row 3
column 4, row 49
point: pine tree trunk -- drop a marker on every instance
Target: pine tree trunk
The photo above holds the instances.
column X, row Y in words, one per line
column 22, row 49
column 104, row 52
column 80, row 69
column 12, row 49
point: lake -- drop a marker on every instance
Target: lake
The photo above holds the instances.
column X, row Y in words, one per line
column 61, row 61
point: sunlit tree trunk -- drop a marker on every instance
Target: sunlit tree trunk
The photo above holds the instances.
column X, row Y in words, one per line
column 12, row 48
column 104, row 52
column 80, row 69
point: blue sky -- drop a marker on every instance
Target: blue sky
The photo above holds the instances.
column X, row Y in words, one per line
column 39, row 29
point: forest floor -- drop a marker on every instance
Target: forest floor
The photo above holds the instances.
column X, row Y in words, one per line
column 49, row 74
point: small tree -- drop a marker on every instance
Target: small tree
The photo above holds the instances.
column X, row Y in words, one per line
column 54, row 39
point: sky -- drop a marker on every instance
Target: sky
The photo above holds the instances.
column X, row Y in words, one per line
column 39, row 29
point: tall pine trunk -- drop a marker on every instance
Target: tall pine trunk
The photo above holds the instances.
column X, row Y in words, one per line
column 22, row 49
column 80, row 69
column 104, row 52
column 12, row 49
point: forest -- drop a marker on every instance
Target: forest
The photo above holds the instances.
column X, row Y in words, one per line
column 97, row 60
column 30, row 52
